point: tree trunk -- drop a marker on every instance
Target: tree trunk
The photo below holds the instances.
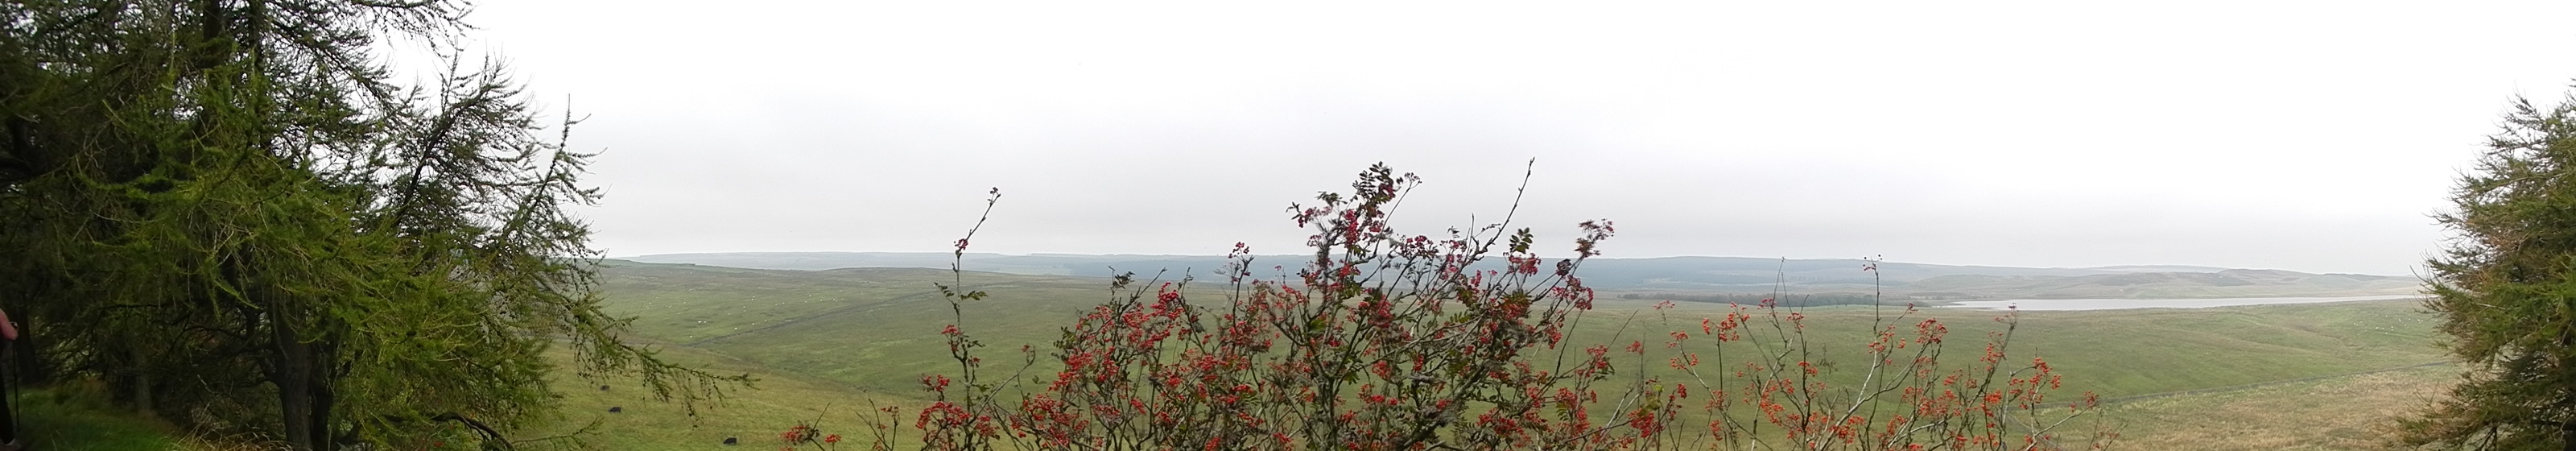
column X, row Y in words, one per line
column 291, row 371
column 302, row 372
column 29, row 368
column 2567, row 437
column 142, row 382
column 326, row 397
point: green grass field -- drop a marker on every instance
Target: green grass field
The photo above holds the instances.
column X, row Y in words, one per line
column 2355, row 412
column 828, row 343
column 754, row 415
column 875, row 329
column 78, row 418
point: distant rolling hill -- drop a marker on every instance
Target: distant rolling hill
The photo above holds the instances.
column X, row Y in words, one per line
column 1678, row 275
column 876, row 330
column 2226, row 283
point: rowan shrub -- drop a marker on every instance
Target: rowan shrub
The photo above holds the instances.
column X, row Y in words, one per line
column 1386, row 341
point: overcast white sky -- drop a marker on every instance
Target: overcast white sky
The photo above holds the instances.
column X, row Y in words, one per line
column 2305, row 136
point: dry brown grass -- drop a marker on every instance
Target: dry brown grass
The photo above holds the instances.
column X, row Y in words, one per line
column 2346, row 413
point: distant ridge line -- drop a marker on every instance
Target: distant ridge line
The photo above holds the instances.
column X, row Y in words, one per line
column 1898, row 280
column 943, row 259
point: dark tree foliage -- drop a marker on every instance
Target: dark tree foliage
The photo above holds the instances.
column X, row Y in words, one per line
column 232, row 213
column 2505, row 290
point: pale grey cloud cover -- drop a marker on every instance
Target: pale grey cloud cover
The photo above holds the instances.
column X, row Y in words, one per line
column 2311, row 136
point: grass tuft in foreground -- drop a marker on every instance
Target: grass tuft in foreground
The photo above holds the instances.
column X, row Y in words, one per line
column 76, row 418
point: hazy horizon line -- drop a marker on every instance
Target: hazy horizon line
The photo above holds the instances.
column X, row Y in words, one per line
column 1029, row 254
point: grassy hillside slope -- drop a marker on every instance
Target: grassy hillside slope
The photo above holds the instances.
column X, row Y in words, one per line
column 2357, row 412
column 875, row 328
column 753, row 415
column 1687, row 274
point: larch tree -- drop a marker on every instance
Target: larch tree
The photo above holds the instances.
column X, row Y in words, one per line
column 232, row 209
column 2505, row 291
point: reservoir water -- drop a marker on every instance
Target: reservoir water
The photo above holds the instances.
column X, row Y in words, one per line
column 2116, row 304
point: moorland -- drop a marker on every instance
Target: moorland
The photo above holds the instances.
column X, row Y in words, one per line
column 830, row 345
